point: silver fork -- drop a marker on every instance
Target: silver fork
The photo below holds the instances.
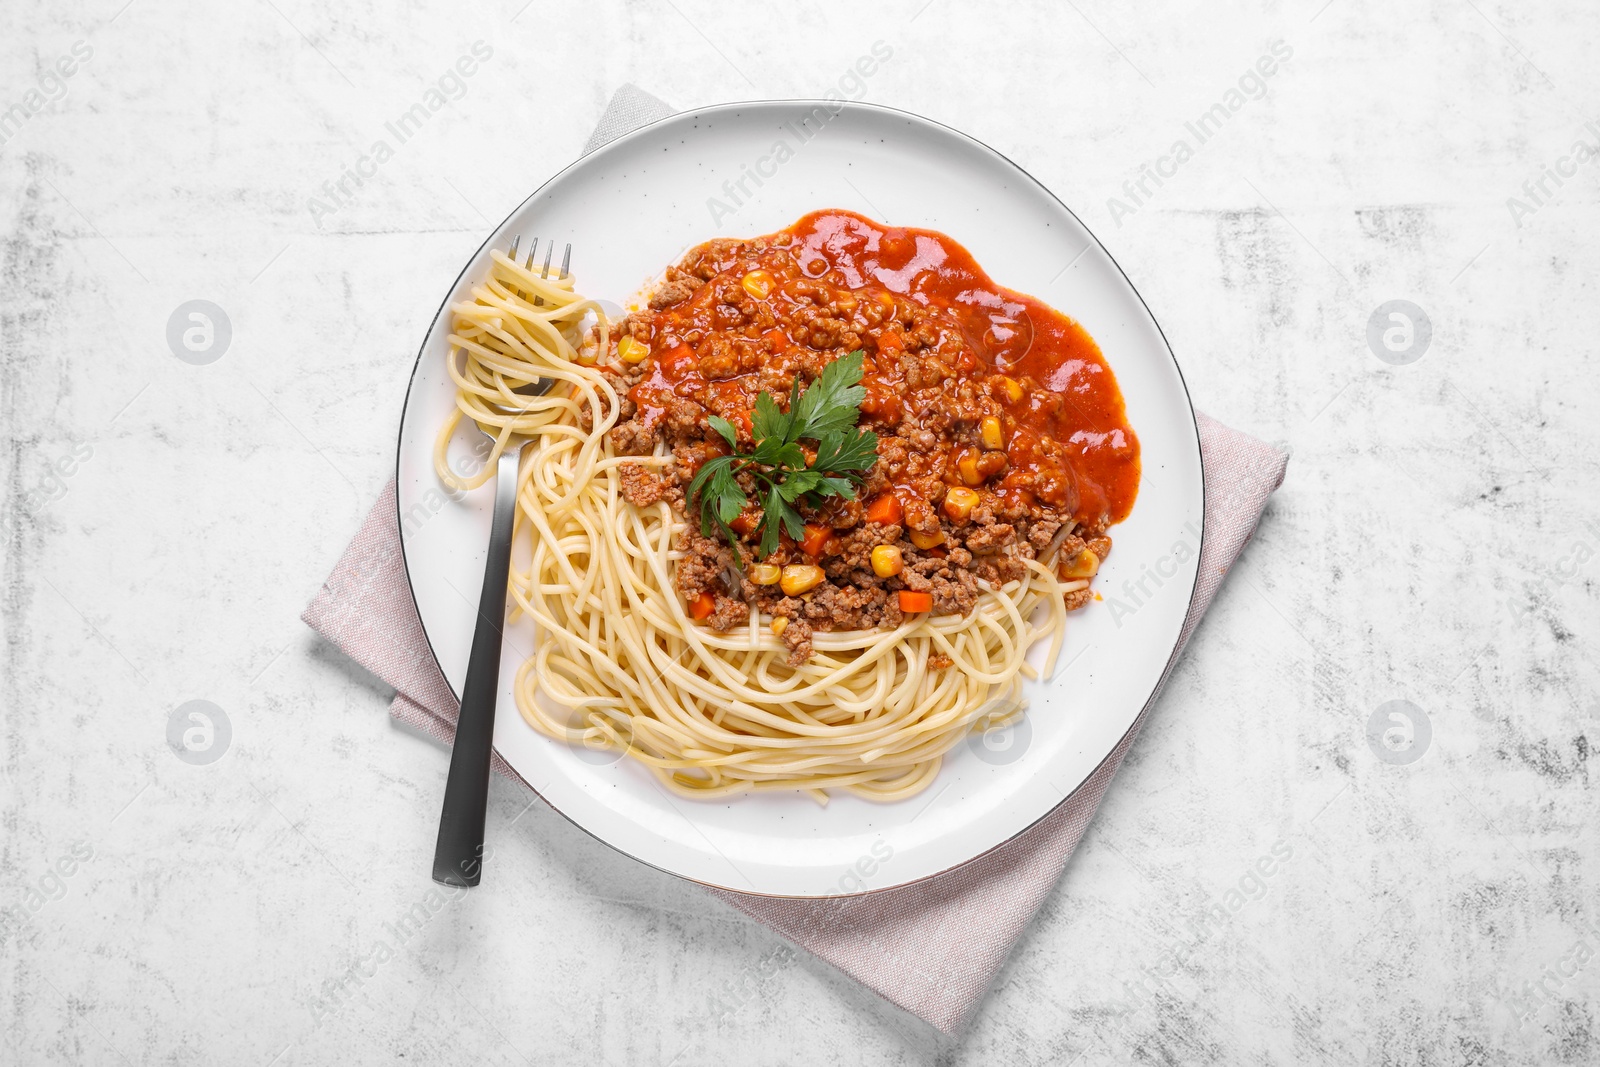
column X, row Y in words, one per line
column 458, row 853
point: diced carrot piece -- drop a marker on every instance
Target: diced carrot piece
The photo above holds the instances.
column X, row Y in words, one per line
column 816, row 540
column 702, row 606
column 885, row 508
column 911, row 602
column 675, row 359
column 891, row 341
column 777, row 340
column 744, row 524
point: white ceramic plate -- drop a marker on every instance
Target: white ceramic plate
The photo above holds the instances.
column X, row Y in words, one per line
column 635, row 205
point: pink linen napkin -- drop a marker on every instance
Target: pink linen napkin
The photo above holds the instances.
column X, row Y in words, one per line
column 931, row 948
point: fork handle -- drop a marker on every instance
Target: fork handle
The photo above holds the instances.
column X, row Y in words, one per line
column 458, row 855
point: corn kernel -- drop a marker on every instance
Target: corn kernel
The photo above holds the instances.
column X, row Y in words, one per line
column 927, row 540
column 631, row 351
column 967, row 467
column 780, row 624
column 1011, row 387
column 800, row 578
column 990, row 433
column 887, row 561
column 1083, row 565
column 758, row 283
column 959, row 502
column 766, row 573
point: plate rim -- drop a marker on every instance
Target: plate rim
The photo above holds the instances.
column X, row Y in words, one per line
column 1161, row 678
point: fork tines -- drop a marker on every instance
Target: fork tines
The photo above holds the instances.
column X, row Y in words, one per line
column 566, row 262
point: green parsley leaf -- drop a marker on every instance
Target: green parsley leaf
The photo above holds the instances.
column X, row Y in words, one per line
column 826, row 412
column 767, row 422
column 792, row 457
column 832, row 403
column 709, row 506
column 726, row 429
column 798, row 483
column 847, row 452
column 837, row 487
column 726, row 492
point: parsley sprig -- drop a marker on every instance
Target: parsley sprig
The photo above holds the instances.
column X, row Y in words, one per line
column 826, row 412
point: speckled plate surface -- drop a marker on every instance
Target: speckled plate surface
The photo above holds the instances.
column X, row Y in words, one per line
column 635, row 205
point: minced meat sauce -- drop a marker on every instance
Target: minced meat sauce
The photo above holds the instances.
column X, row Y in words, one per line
column 998, row 420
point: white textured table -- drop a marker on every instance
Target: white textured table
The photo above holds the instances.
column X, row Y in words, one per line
column 164, row 522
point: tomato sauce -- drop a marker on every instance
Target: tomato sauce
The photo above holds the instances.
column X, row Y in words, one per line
column 832, row 281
